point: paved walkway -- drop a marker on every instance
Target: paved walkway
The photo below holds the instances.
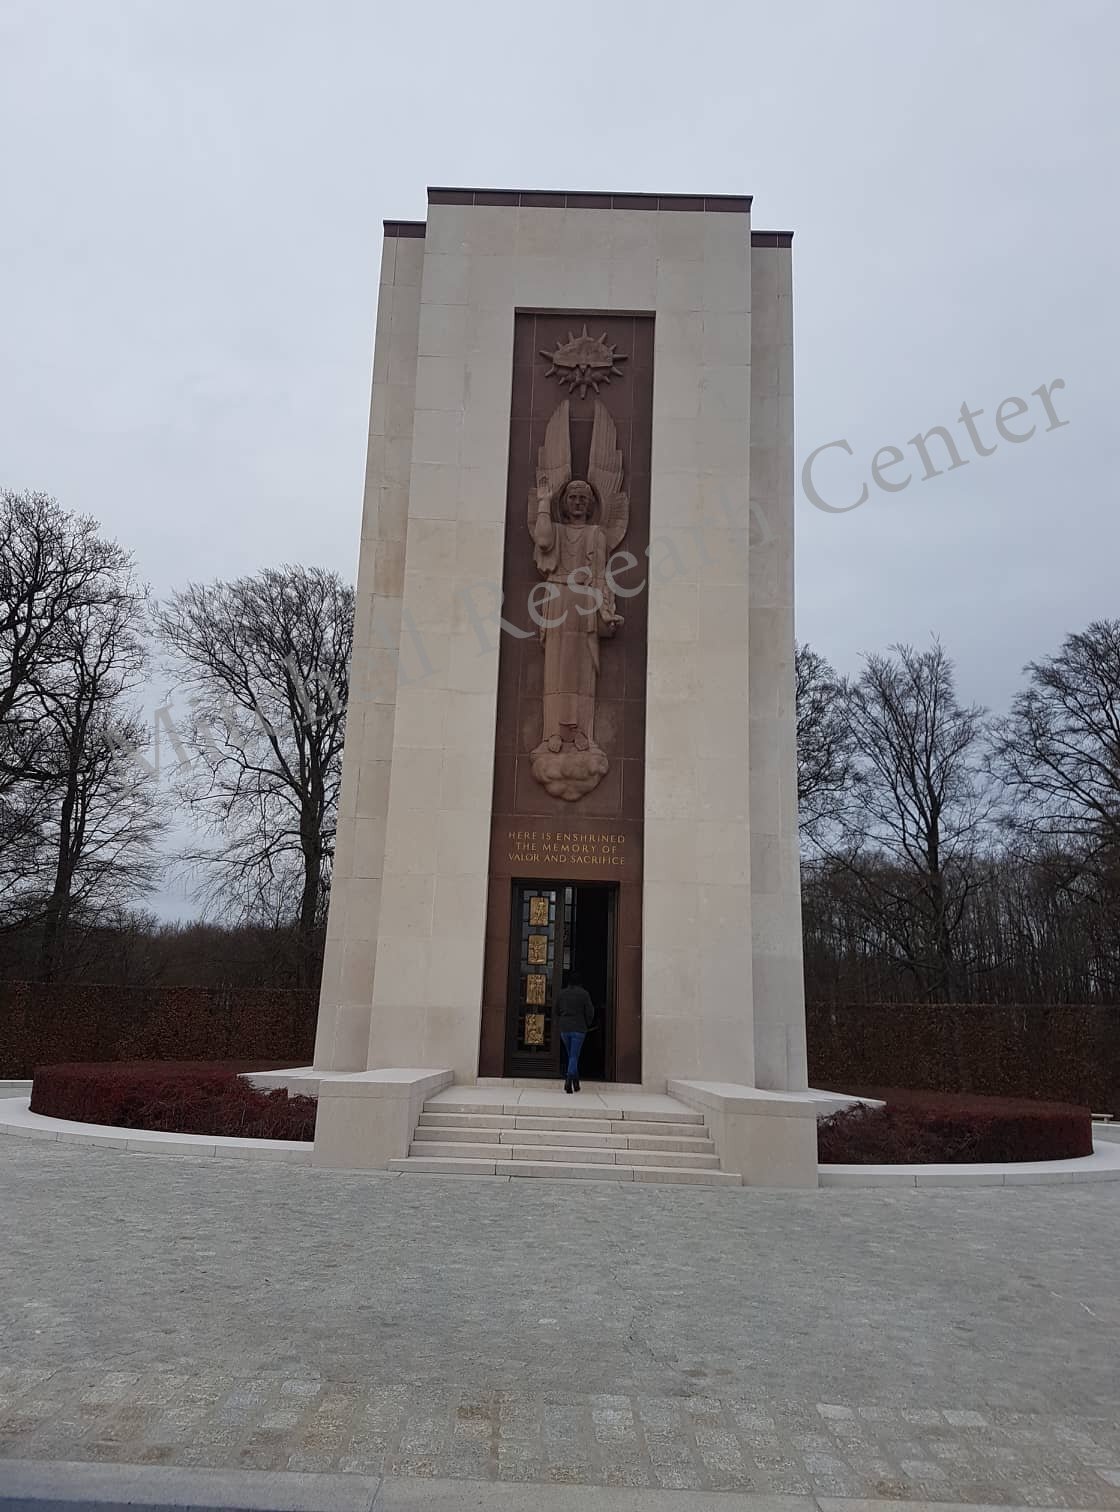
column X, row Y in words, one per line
column 954, row 1346
column 53, row 1486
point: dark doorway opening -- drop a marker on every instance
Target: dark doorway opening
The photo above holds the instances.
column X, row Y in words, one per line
column 558, row 928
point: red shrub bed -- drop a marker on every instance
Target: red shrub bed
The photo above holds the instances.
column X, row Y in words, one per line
column 181, row 1097
column 946, row 1128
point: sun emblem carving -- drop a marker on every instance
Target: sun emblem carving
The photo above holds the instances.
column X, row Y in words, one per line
column 585, row 362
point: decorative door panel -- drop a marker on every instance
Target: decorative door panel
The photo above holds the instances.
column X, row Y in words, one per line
column 539, row 938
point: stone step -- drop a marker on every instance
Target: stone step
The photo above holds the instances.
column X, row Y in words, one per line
column 445, row 1166
column 626, row 1127
column 467, row 1120
column 437, row 1151
column 693, row 1129
column 426, row 1165
column 694, row 1160
column 564, row 1107
column 698, row 1144
column 508, row 1121
column 572, row 1134
column 701, row 1145
column 432, row 1149
column 457, row 1135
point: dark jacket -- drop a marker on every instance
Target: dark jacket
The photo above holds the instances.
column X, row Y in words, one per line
column 575, row 1012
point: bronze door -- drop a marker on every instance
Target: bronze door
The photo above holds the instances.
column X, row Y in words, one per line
column 558, row 926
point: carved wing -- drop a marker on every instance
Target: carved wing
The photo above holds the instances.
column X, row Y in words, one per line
column 604, row 473
column 554, row 459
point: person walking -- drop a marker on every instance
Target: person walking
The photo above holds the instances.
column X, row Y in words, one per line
column 575, row 1016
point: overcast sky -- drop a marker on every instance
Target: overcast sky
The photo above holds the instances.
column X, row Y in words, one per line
column 191, row 197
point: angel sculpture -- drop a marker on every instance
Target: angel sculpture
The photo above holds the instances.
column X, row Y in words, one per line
column 575, row 526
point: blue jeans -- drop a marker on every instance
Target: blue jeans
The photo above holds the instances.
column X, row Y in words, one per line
column 573, row 1044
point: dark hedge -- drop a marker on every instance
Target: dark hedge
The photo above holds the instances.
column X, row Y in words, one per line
column 929, row 1127
column 1064, row 1053
column 181, row 1097
column 1061, row 1052
column 48, row 1024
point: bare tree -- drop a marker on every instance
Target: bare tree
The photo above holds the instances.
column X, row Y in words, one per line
column 24, row 812
column 824, row 744
column 71, row 649
column 53, row 565
column 1058, row 751
column 105, row 818
column 914, row 833
column 1057, row 759
column 265, row 661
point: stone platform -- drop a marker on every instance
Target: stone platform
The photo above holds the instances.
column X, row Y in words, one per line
column 737, row 1135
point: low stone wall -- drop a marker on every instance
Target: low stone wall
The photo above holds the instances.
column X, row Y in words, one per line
column 1063, row 1053
column 44, row 1024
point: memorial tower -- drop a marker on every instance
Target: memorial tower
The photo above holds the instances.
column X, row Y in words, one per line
column 571, row 729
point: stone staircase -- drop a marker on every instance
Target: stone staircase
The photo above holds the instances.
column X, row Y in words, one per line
column 508, row 1131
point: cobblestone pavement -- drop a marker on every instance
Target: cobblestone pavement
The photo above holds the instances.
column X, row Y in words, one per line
column 946, row 1345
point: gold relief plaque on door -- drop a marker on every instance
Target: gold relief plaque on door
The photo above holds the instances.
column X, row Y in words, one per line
column 538, row 949
column 534, row 989
column 534, row 1028
column 538, row 910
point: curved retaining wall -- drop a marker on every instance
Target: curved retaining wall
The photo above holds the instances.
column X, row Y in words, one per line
column 16, row 1119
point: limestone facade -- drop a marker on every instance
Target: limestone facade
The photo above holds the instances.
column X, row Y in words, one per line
column 721, row 990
